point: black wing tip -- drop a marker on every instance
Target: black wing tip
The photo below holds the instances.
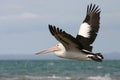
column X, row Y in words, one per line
column 93, row 8
column 50, row 26
column 51, row 29
column 54, row 30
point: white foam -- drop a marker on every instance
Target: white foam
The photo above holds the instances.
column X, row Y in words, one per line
column 106, row 77
column 54, row 77
column 26, row 77
column 99, row 67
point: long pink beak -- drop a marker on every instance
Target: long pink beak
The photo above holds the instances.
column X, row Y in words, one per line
column 55, row 48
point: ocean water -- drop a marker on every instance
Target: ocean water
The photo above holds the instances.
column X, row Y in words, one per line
column 59, row 70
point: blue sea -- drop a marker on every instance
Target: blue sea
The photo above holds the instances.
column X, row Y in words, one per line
column 59, row 70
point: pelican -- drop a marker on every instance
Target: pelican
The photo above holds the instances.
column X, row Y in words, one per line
column 79, row 47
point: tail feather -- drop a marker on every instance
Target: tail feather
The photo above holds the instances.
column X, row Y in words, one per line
column 99, row 54
column 98, row 57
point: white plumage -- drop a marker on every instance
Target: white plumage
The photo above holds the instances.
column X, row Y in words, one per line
column 84, row 30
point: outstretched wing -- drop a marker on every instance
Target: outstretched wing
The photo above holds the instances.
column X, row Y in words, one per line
column 90, row 26
column 66, row 39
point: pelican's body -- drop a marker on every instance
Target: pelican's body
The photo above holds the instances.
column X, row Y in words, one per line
column 74, row 54
column 78, row 48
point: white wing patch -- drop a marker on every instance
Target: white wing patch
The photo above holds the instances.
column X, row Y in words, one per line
column 84, row 30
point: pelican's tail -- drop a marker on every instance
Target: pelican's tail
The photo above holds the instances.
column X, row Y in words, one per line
column 98, row 57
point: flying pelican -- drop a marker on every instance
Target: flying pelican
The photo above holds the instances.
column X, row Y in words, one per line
column 78, row 48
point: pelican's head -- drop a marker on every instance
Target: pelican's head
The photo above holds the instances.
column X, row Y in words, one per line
column 58, row 49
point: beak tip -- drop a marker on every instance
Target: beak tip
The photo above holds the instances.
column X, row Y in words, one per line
column 37, row 53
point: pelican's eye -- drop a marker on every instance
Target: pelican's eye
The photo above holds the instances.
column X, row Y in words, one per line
column 57, row 45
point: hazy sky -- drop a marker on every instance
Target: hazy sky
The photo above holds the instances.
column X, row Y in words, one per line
column 24, row 24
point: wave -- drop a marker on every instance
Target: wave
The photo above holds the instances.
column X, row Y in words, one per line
column 106, row 77
column 27, row 77
column 35, row 78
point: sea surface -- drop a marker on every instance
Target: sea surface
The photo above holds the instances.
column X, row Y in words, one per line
column 59, row 70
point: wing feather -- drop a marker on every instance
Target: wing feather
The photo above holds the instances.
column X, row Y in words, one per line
column 90, row 27
column 66, row 39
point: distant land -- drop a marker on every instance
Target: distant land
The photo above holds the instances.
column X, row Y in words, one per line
column 112, row 56
column 107, row 56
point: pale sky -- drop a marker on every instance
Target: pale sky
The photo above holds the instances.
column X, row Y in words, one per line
column 24, row 24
